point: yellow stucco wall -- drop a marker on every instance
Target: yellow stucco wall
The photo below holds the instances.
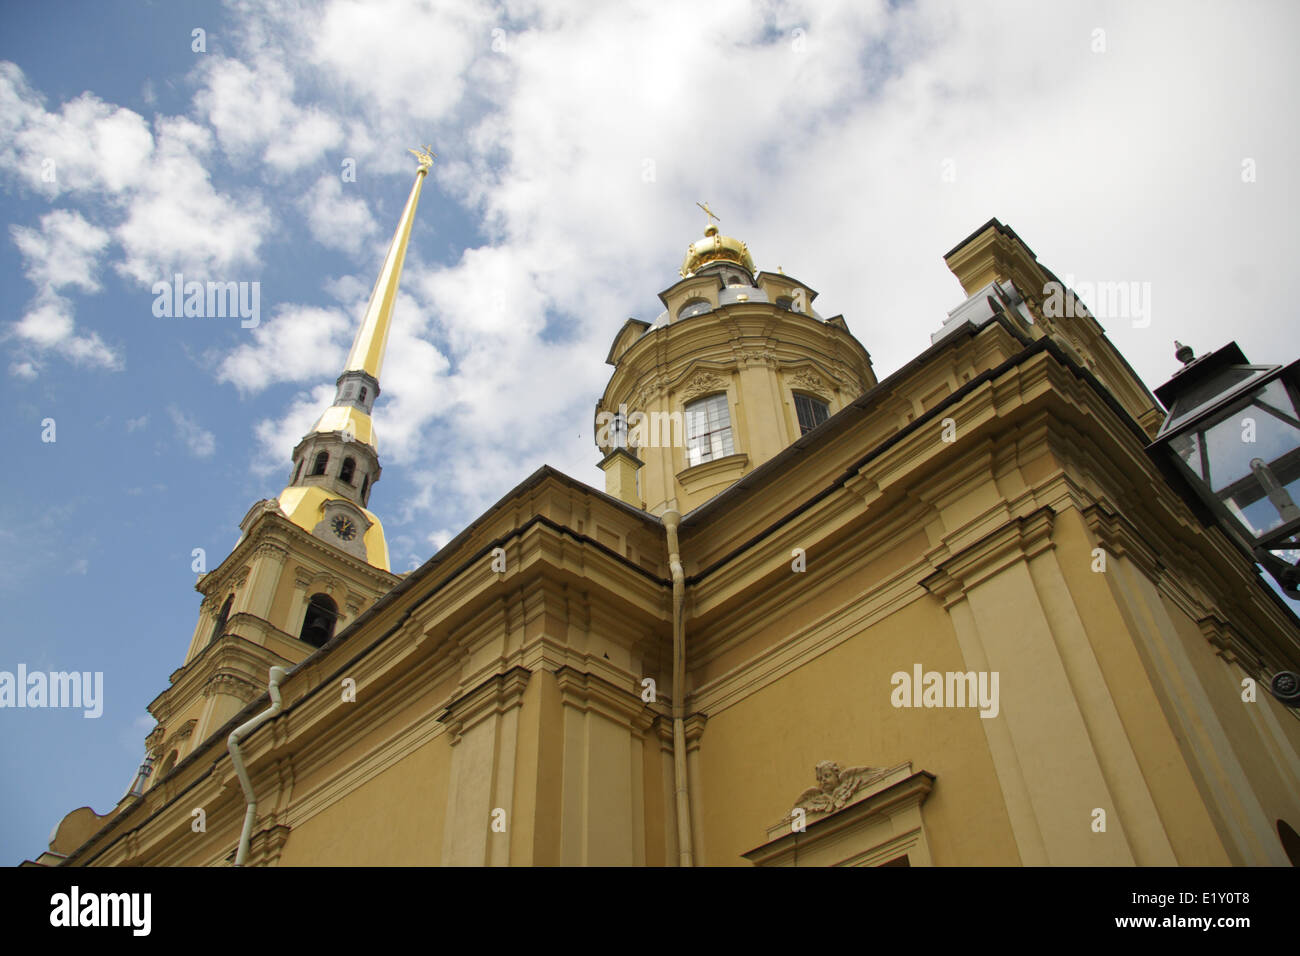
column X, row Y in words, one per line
column 837, row 707
column 394, row 819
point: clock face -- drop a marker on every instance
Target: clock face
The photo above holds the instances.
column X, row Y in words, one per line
column 344, row 527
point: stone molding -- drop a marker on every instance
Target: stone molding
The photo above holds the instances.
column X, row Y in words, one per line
column 233, row 685
column 184, row 733
column 496, row 695
column 589, row 693
column 717, row 468
column 270, row 550
column 1022, row 538
column 809, row 381
column 879, row 823
column 264, row 847
column 836, row 787
column 701, row 383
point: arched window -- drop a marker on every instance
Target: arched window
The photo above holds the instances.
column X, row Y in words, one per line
column 348, row 470
column 224, row 616
column 322, row 460
column 694, row 307
column 362, row 397
column 297, row 473
column 365, row 487
column 318, row 625
column 708, row 429
column 811, row 411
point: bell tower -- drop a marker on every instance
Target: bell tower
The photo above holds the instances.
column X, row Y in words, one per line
column 336, row 464
column 738, row 367
column 308, row 562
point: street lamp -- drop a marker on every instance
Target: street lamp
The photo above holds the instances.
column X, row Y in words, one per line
column 1233, row 432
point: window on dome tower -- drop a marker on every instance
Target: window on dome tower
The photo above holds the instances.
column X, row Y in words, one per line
column 694, row 307
column 811, row 411
column 708, row 429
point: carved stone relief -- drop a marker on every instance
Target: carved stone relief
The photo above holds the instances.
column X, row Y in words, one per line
column 700, row 384
column 835, row 787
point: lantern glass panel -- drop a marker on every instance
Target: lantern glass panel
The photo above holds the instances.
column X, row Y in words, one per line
column 1250, row 459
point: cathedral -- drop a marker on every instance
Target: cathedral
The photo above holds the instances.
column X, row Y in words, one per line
column 955, row 616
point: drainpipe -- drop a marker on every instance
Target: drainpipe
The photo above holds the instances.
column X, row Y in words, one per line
column 671, row 520
column 243, row 730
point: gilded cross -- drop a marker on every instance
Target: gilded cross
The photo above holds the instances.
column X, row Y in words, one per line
column 707, row 211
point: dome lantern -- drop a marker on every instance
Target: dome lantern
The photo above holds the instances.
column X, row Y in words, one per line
column 715, row 247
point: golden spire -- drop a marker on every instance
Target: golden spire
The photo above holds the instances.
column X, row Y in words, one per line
column 367, row 353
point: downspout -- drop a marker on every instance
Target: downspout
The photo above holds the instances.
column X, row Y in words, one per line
column 243, row 730
column 671, row 520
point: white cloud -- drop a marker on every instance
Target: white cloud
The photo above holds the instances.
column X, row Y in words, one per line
column 63, row 253
column 277, row 437
column 335, row 220
column 200, row 442
column 87, row 147
column 153, row 196
column 421, row 64
column 179, row 222
column 252, row 108
column 437, row 539
column 297, row 344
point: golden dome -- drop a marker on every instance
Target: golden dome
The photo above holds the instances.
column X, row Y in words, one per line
column 716, row 248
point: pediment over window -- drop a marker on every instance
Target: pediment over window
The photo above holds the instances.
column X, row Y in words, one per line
column 860, row 816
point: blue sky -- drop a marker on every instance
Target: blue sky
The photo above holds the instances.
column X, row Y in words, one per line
column 852, row 144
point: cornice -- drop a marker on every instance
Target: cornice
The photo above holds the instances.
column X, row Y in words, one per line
column 234, row 685
column 496, row 695
column 280, row 537
column 692, row 727
column 587, row 692
column 717, row 468
column 1020, row 539
column 749, row 332
column 1232, row 646
column 231, row 654
column 1118, row 536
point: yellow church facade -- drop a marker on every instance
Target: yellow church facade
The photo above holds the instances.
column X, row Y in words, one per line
column 951, row 617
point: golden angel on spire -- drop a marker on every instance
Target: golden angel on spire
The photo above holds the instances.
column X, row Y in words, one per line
column 425, row 155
